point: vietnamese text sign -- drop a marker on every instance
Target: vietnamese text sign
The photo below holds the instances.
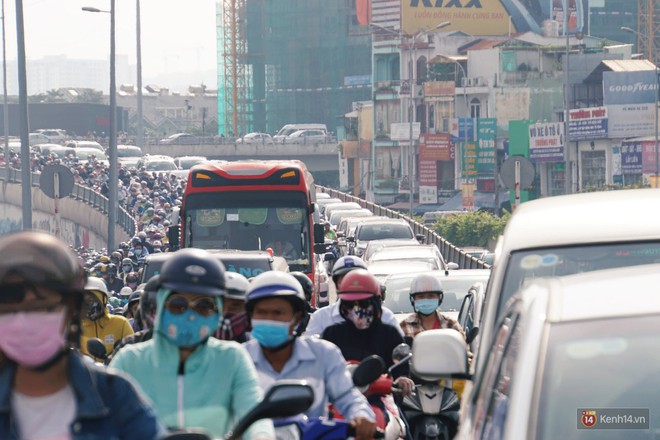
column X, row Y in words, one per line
column 436, row 147
column 463, row 129
column 400, row 131
column 428, row 172
column 439, row 88
column 648, row 157
column 631, row 157
column 470, row 159
column 636, row 87
column 587, row 123
column 631, row 120
column 546, row 142
column 428, row 195
column 486, row 130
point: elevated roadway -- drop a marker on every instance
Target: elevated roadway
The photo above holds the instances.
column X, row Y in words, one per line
column 317, row 157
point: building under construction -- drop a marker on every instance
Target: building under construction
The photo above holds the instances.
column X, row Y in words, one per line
column 290, row 61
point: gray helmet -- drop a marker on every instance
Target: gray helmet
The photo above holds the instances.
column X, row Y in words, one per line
column 41, row 258
column 425, row 283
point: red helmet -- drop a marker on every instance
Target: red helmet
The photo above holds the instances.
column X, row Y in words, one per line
column 359, row 284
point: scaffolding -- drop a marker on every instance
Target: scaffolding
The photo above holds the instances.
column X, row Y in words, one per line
column 310, row 60
column 648, row 29
column 234, row 73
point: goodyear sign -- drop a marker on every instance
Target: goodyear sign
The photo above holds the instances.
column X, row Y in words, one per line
column 483, row 17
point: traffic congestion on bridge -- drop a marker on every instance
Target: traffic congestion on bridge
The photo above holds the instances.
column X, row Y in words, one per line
column 304, row 219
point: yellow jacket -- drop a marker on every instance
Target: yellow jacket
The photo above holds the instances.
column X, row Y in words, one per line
column 108, row 328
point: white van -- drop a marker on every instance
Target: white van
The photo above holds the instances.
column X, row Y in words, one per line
column 292, row 128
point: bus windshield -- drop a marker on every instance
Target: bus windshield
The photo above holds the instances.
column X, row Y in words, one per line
column 251, row 220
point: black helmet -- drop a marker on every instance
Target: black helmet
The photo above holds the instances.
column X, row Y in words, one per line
column 195, row 271
column 135, row 241
column 41, row 258
column 148, row 300
column 305, row 282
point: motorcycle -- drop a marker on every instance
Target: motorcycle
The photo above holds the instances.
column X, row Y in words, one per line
column 284, row 399
column 374, row 380
column 432, row 411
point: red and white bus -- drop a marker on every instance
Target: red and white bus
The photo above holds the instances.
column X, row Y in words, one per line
column 253, row 205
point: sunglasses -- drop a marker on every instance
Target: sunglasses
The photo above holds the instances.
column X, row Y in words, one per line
column 14, row 293
column 362, row 303
column 179, row 305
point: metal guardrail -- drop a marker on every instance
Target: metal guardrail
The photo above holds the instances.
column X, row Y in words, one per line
column 84, row 194
column 448, row 250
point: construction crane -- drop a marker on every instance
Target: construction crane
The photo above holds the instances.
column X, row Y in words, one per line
column 234, row 82
column 648, row 29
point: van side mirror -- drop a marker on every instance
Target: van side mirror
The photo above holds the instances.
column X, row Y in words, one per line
column 420, row 238
column 319, row 233
column 350, row 239
column 173, row 236
column 472, row 335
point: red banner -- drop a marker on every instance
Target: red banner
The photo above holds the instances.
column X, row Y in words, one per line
column 436, row 147
column 363, row 11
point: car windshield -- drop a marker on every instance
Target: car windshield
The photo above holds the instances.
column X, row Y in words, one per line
column 129, row 152
column 164, row 165
column 382, row 231
column 607, row 363
column 186, row 164
column 551, row 262
column 397, row 297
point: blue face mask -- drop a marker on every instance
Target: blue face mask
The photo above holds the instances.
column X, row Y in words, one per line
column 188, row 328
column 269, row 333
column 427, row 306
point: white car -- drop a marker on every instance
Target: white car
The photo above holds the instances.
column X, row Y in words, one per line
column 455, row 286
column 157, row 163
column 563, row 235
column 187, row 162
column 255, row 138
column 180, row 139
column 569, row 351
column 307, row 137
column 85, row 153
column 54, row 135
column 85, row 144
column 417, row 252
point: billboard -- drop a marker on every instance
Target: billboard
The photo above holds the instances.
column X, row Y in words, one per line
column 587, row 123
column 400, row 131
column 546, row 142
column 428, row 181
column 637, row 87
column 486, row 130
column 573, row 18
column 486, row 17
column 439, row 88
column 436, row 147
column 632, row 120
column 631, row 157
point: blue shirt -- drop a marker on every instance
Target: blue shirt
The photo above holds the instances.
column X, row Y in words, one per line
column 321, row 364
column 107, row 404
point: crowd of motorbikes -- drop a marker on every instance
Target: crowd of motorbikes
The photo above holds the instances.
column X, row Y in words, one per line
column 430, row 413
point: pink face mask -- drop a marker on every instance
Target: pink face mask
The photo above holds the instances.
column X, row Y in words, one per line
column 32, row 338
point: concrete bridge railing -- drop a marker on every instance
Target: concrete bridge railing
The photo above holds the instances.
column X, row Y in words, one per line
column 448, row 250
column 84, row 207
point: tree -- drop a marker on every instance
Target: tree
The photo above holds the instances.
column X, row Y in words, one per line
column 89, row 96
column 54, row 95
column 471, row 229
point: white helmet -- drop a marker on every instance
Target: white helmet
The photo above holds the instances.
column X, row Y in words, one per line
column 96, row 284
column 236, row 285
column 425, row 283
column 125, row 291
column 347, row 264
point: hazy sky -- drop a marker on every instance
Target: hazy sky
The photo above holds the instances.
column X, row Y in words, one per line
column 177, row 35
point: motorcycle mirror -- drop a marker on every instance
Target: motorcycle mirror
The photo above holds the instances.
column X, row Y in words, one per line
column 286, row 398
column 472, row 335
column 369, row 370
column 400, row 351
column 328, row 256
column 96, row 348
column 187, row 434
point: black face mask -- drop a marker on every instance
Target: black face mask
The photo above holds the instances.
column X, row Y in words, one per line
column 94, row 310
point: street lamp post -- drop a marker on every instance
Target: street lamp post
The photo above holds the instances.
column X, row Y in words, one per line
column 138, row 38
column 656, row 183
column 112, row 141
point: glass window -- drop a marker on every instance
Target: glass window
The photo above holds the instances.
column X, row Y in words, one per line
column 492, row 400
column 525, row 266
column 593, row 169
column 607, row 363
column 475, row 108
